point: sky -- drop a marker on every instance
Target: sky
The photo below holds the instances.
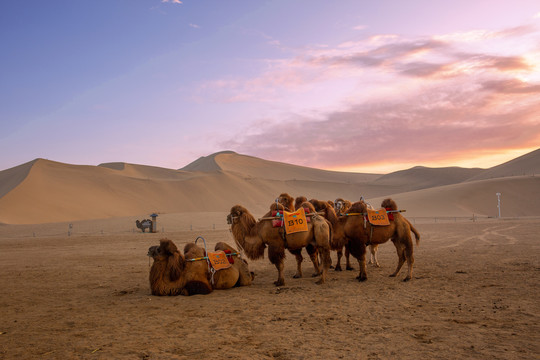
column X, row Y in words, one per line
column 348, row 85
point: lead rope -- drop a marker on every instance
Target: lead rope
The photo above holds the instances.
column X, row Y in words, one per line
column 210, row 268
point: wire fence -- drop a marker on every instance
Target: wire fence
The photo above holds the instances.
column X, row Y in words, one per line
column 127, row 227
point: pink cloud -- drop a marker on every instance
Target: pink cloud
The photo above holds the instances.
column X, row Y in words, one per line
column 422, row 99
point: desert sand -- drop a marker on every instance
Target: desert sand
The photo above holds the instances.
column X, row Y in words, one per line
column 74, row 270
column 474, row 294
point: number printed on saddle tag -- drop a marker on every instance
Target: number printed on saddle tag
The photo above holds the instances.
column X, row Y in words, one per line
column 218, row 260
column 378, row 217
column 295, row 221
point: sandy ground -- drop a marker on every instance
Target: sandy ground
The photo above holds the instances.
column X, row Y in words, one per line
column 474, row 295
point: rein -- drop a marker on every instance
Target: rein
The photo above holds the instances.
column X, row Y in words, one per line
column 387, row 211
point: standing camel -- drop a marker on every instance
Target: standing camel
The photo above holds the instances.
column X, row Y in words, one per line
column 360, row 233
column 254, row 236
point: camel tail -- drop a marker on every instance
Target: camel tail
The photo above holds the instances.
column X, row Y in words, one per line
column 416, row 235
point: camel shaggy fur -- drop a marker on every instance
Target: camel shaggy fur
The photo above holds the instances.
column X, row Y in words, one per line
column 254, row 236
column 175, row 274
column 360, row 233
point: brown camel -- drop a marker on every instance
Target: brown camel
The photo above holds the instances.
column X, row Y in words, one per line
column 175, row 274
column 301, row 201
column 254, row 236
column 360, row 233
column 336, row 244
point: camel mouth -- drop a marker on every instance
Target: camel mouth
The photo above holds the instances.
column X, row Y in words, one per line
column 152, row 251
column 229, row 219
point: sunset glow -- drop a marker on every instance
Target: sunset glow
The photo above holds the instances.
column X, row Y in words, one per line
column 343, row 86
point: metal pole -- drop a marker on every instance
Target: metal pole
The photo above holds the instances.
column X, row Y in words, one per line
column 499, row 202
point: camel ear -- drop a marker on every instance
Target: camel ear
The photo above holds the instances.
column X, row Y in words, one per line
column 176, row 266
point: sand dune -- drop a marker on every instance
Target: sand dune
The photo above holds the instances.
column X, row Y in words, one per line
column 44, row 191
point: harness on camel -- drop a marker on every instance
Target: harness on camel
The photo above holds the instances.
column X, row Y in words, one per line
column 217, row 260
column 290, row 222
column 381, row 217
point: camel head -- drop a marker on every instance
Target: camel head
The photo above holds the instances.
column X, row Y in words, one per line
column 339, row 205
column 286, row 200
column 236, row 212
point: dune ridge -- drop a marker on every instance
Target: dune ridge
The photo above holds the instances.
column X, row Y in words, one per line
column 45, row 191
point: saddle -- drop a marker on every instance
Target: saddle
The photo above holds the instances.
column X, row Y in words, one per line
column 220, row 260
column 280, row 223
column 379, row 217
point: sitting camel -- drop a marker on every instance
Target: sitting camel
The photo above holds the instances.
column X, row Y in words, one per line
column 254, row 236
column 175, row 274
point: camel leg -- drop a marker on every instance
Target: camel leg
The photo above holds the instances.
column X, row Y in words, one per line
column 339, row 256
column 299, row 258
column 276, row 256
column 326, row 261
column 373, row 258
column 362, row 274
column 314, row 256
column 401, row 257
column 348, row 258
column 410, row 259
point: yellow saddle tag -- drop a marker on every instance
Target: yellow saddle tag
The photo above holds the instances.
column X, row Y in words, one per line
column 218, row 260
column 378, row 217
column 295, row 221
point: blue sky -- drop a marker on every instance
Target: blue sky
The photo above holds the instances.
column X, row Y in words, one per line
column 367, row 86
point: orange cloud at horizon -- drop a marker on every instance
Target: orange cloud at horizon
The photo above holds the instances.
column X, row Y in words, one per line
column 485, row 161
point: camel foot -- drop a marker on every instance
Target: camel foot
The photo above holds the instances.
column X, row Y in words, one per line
column 349, row 268
column 338, row 268
column 331, row 267
column 297, row 276
column 406, row 279
column 315, row 274
column 280, row 282
column 319, row 282
column 362, row 278
column 392, row 275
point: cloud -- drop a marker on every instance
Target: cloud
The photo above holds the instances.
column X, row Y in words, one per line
column 172, row 1
column 195, row 26
column 444, row 121
column 423, row 99
column 360, row 27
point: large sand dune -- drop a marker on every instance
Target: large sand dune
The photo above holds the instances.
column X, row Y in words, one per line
column 44, row 191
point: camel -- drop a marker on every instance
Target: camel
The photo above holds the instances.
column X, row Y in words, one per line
column 341, row 207
column 254, row 236
column 361, row 233
column 301, row 201
column 144, row 224
column 175, row 274
column 336, row 244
